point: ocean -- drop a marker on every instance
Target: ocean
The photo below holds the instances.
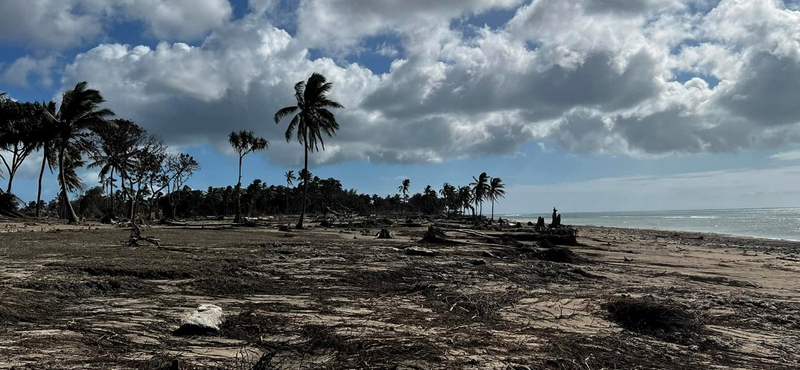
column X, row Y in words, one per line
column 772, row 223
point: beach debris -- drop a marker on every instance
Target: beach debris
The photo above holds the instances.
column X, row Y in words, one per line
column 204, row 320
column 283, row 228
column 413, row 251
column 558, row 254
column 435, row 235
column 540, row 223
column 489, row 254
column 556, row 219
column 662, row 318
column 384, row 234
column 247, row 222
column 136, row 236
column 545, row 243
column 477, row 262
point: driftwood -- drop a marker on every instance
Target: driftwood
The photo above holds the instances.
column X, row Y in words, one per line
column 136, row 236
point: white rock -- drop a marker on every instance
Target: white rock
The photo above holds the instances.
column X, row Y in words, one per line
column 206, row 318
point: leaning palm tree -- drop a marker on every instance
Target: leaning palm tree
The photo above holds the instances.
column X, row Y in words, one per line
column 479, row 189
column 78, row 115
column 495, row 192
column 313, row 118
column 244, row 142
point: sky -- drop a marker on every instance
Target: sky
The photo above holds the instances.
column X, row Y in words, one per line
column 585, row 105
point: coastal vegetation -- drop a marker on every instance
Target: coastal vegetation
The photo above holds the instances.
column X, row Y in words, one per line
column 138, row 178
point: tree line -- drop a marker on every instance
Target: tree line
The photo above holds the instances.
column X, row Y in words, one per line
column 140, row 178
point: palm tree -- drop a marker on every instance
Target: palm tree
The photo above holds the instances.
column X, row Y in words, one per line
column 313, row 119
column 290, row 177
column 496, row 191
column 46, row 139
column 403, row 188
column 117, row 151
column 448, row 193
column 78, row 115
column 465, row 197
column 479, row 189
column 244, row 142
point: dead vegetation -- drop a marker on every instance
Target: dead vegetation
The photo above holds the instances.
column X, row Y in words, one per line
column 661, row 318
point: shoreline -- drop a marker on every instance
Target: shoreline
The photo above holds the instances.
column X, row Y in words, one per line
column 523, row 221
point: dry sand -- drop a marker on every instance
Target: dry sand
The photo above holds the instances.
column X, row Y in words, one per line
column 78, row 297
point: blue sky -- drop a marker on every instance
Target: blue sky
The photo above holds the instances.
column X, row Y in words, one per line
column 583, row 105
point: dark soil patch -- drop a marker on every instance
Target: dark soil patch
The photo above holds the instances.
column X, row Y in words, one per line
column 141, row 273
column 252, row 326
column 89, row 287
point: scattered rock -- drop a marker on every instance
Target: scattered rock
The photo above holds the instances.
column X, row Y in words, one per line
column 204, row 320
column 478, row 262
column 283, row 228
column 421, row 252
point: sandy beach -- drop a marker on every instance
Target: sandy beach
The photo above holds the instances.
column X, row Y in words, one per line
column 78, row 297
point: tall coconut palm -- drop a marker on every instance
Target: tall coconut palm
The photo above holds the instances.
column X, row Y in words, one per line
column 479, row 189
column 46, row 138
column 403, row 189
column 290, row 177
column 313, row 118
column 465, row 198
column 244, row 142
column 496, row 191
column 78, row 115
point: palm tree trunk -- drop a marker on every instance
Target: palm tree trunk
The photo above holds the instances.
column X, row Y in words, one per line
column 305, row 182
column 71, row 216
column 492, row 209
column 111, row 193
column 238, row 217
column 39, row 192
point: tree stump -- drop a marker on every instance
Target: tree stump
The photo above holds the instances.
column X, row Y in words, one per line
column 384, row 234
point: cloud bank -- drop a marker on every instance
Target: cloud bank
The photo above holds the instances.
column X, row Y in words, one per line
column 637, row 78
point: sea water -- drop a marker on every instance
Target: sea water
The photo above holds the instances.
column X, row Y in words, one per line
column 773, row 223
